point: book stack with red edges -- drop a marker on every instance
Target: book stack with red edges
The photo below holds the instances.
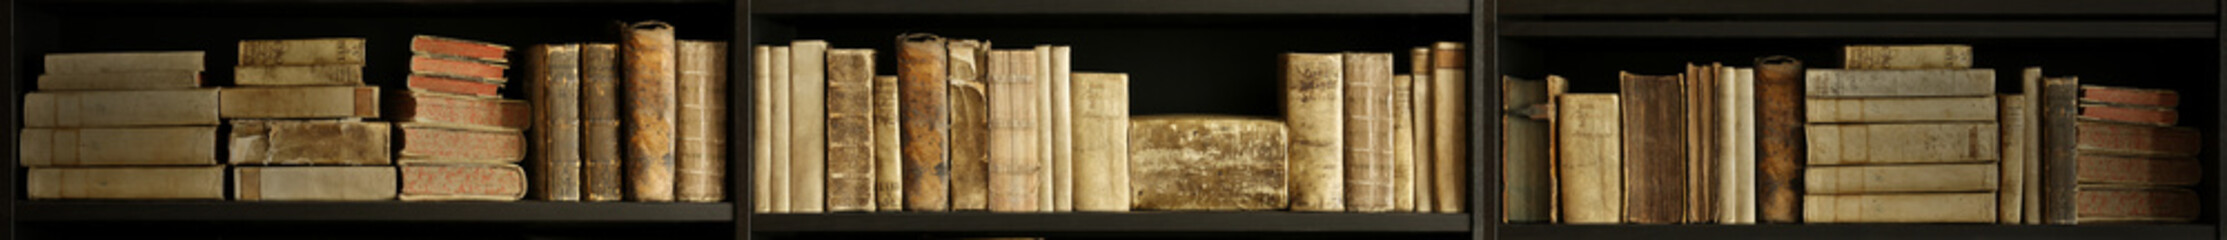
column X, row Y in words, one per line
column 121, row 125
column 2133, row 163
column 298, row 132
column 459, row 139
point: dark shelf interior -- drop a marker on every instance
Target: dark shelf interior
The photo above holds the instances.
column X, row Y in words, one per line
column 1857, row 231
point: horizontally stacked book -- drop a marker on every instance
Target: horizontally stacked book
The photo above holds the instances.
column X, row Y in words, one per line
column 127, row 125
column 672, row 96
column 2128, row 161
column 459, row 145
column 1913, row 140
column 298, row 130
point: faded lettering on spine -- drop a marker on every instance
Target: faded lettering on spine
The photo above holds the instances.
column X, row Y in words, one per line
column 599, row 117
column 850, row 130
column 1101, row 142
column 1312, row 97
column 555, row 94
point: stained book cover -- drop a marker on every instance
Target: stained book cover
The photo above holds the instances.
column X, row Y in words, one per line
column 299, row 102
column 932, row 131
column 468, row 49
column 426, row 181
column 1312, row 85
column 1207, row 163
column 126, row 183
column 553, row 72
column 318, row 183
column 309, row 142
column 1654, row 148
column 444, row 144
column 1773, row 137
column 850, row 130
column 314, row 51
column 459, row 110
column 647, row 50
column 970, row 125
column 1015, row 184
column 184, row 107
column 702, row 92
column 599, row 122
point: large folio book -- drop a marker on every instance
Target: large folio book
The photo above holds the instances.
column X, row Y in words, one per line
column 1527, row 180
column 42, row 147
column 1589, row 158
column 2160, row 98
column 451, row 181
column 166, row 79
column 475, row 50
column 439, row 84
column 2137, row 140
column 761, row 129
column 850, row 130
column 1449, row 70
column 808, row 119
column 1833, row 83
column 1063, row 127
column 1654, row 148
column 889, row 164
column 1900, row 143
column 1939, row 56
column 2019, row 150
column 299, row 75
column 1368, row 131
column 1942, row 109
column 1900, row 208
column 1015, row 164
column 1312, row 96
column 2111, row 203
column 1207, row 163
column 1902, row 178
column 553, row 76
column 114, row 62
column 599, row 122
column 314, row 51
column 2130, row 170
column 459, row 110
column 456, row 67
column 318, row 183
column 968, row 107
column 310, row 142
column 2060, row 141
column 120, row 183
column 121, row 108
column 446, row 144
column 647, row 55
column 703, row 119
column 300, row 102
column 1101, row 142
column 1770, row 98
column 930, row 125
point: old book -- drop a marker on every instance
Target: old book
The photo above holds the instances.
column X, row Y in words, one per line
column 184, row 107
column 1449, row 72
column 599, row 123
column 1654, row 148
column 2130, row 114
column 2127, row 170
column 1901, row 178
column 889, row 164
column 1588, row 153
column 166, row 79
column 1855, row 110
column 1744, row 121
column 2107, row 204
column 930, row 127
column 1884, row 143
column 969, row 145
column 439, row 84
column 1900, row 208
column 310, row 142
column 1207, row 163
column 2030, row 85
column 702, row 95
column 301, row 102
column 1312, row 97
column 438, row 143
column 1101, row 108
column 2162, row 98
column 459, row 110
column 1697, row 180
column 553, row 77
column 850, row 130
column 1419, row 63
column 2060, row 141
column 1014, row 184
column 475, row 50
column 1524, row 165
column 761, row 130
column 1046, row 201
column 647, row 52
column 1935, row 56
column 1835, row 83
column 1368, row 131
column 454, row 67
column 314, row 51
column 1063, row 128
column 442, row 181
column 1403, row 144
column 2137, row 140
column 1770, row 107
column 1556, row 86
column 41, row 147
column 319, row 183
column 808, row 121
column 299, row 75
column 133, row 183
column 107, row 62
column 783, row 107
column 2018, row 149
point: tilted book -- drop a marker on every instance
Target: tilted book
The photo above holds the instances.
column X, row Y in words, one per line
column 310, row 142
column 318, row 183
column 1208, row 163
column 184, row 107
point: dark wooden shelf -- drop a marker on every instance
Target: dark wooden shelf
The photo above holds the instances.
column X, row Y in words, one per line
column 1864, row 29
column 1143, row 222
column 965, row 7
column 316, row 2
column 38, row 211
column 1856, row 231
column 1866, row 7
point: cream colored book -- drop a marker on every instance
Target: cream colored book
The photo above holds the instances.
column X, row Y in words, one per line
column 2012, row 189
column 1419, row 63
column 761, row 130
column 42, row 147
column 889, row 178
column 783, row 137
column 808, row 139
column 122, row 183
column 109, row 62
column 1836, row 83
column 299, row 75
column 1449, row 63
column 1898, row 143
column 1063, row 128
column 300, row 102
column 302, row 51
column 1589, row 140
column 318, row 183
column 1050, row 192
column 1900, row 208
column 1313, row 94
column 1933, row 56
column 1403, row 143
column 310, row 142
column 1017, row 171
column 1929, row 109
column 2030, row 81
column 185, row 107
column 1368, row 131
column 1101, row 123
column 166, row 79
column 1901, row 178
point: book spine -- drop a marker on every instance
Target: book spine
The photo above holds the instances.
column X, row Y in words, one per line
column 2168, row 171
column 309, row 142
column 889, row 164
column 1773, row 107
column 1204, row 162
column 110, row 62
column 2010, row 205
column 299, row 102
column 1853, row 110
column 299, row 75
column 1524, row 151
column 457, row 68
column 647, row 50
column 1014, row 162
column 154, row 146
column 147, row 80
column 1654, row 149
column 1908, row 56
column 440, row 108
column 1403, row 145
column 2137, row 204
column 1900, row 208
column 850, row 130
column 462, row 181
column 1419, row 63
column 784, row 110
column 808, row 117
column 2161, row 98
column 1047, row 195
column 970, row 129
column 702, row 95
column 1703, row 185
column 1833, row 83
column 133, row 183
column 2060, row 138
column 2135, row 115
column 2138, row 140
column 1367, row 133
column 599, row 118
column 2030, row 84
column 1907, row 178
column 1556, row 86
column 351, row 183
column 927, row 123
column 1449, row 62
column 440, row 84
column 1882, row 143
column 461, row 145
column 190, row 107
column 554, row 75
column 1589, row 151
column 1693, row 165
column 474, row 50
column 302, row 51
column 1744, row 123
column 1101, row 107
column 1312, row 86
column 761, row 130
column 1063, row 128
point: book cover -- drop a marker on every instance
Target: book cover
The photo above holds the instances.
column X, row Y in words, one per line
column 1368, row 131
column 301, row 102
column 446, row 144
column 1770, row 117
column 553, row 74
column 444, row 181
column 165, row 79
column 1015, row 161
column 459, row 110
column 125, row 183
column 599, row 123
column 318, row 183
column 850, row 130
column 313, row 51
column 469, row 49
column 141, row 146
column 299, row 75
column 930, row 127
column 1208, row 163
column 183, row 107
column 109, row 62
column 808, row 124
column 1101, row 105
column 310, row 142
column 1589, row 158
column 702, row 95
column 1654, row 148
column 968, row 96
column 1834, row 83
column 1313, row 96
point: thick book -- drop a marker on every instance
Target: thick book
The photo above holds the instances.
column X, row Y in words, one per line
column 143, row 80
column 313, row 51
column 2108, row 204
column 1419, row 65
column 969, row 128
column 1901, row 178
column 1900, row 208
column 318, row 183
column 184, row 107
column 1770, row 118
column 1934, row 56
column 1101, row 108
column 438, row 143
column 2130, row 114
column 446, row 181
column 889, row 164
column 1896, row 143
column 1525, row 168
column 647, row 107
column 1312, row 84
column 553, row 80
column 1835, row 83
column 1449, row 73
column 1589, row 158
column 298, row 75
column 439, row 84
column 150, row 146
column 110, row 62
column 1208, row 163
column 1923, row 109
column 761, row 129
column 1403, row 143
column 2060, row 140
column 459, row 110
column 299, row 102
column 702, row 95
column 469, row 49
column 850, row 130
column 2161, row 98
column 2018, row 148
column 125, row 183
column 599, row 123
column 808, row 123
column 1063, row 127
column 2137, row 140
column 1015, row 164
column 310, row 142
column 2128, row 170
column 1368, row 131
column 1654, row 148
column 929, row 127
column 454, row 67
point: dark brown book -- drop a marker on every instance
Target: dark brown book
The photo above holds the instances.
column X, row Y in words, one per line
column 1778, row 117
column 702, row 99
column 970, row 124
column 599, row 120
column 850, row 130
column 553, row 70
column 648, row 103
column 1701, row 165
column 926, row 121
column 1654, row 148
column 2060, row 109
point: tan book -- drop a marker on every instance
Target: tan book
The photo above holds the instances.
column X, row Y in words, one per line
column 1939, row 56
column 120, row 183
column 1015, row 164
column 1063, row 129
column 702, row 92
column 783, row 132
column 1449, row 62
column 889, row 166
column 648, row 107
column 2136, row 204
column 761, row 132
column 1368, row 131
column 1853, row 110
column 321, row 183
column 808, row 119
column 1419, row 63
column 850, row 130
column 553, row 87
column 1524, row 166
column 1101, row 124
column 107, row 62
column 461, row 111
column 1885, row 143
column 168, row 79
column 599, row 122
column 1901, row 178
column 187, row 107
column 310, row 142
column 429, row 181
column 41, row 147
column 1735, row 133
column 968, row 96
column 1207, row 163
column 2010, row 196
column 1588, row 150
column 299, row 75
column 1900, row 208
column 300, row 102
column 1047, row 201
column 440, row 143
column 1403, row 143
column 1312, row 107
column 1837, row 83
column 312, row 51
column 926, row 125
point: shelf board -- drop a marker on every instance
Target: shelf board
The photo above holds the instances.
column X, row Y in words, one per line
column 424, row 2
column 46, row 211
column 1853, row 29
column 1865, row 7
column 1857, row 231
column 969, row 7
column 1143, row 222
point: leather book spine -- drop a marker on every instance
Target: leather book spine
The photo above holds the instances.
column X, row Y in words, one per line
column 553, row 74
column 1778, row 118
column 970, row 128
column 925, row 122
column 647, row 50
column 1367, row 133
column 1654, row 149
column 2060, row 139
column 599, row 119
column 850, row 130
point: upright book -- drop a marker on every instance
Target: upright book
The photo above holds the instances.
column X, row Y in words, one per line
column 1524, row 151
column 1589, row 150
column 553, row 71
column 889, row 164
column 1101, row 105
column 1312, row 96
column 1771, row 94
column 761, row 130
column 808, row 123
column 1449, row 69
column 1014, row 184
column 968, row 106
column 1063, row 127
column 783, row 130
column 599, row 123
column 1654, row 149
column 702, row 95
column 2060, row 140
column 928, row 123
column 850, row 130
column 647, row 50
column 1368, row 131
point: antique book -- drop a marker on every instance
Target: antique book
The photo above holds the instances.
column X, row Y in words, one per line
column 120, row 183
column 1885, row 143
column 850, row 130
column 2128, row 170
column 1556, row 86
column 1312, row 97
column 889, row 166
column 553, row 80
column 702, row 96
column 475, row 50
column 1046, row 199
column 599, row 123
column 1063, row 128
column 2031, row 202
column 1368, row 131
column 1743, row 121
column 459, row 110
column 969, row 141
column 299, row 75
column 1770, row 106
column 1449, row 67
column 2137, row 140
column 166, row 79
column 761, row 130
column 310, row 142
column 318, row 183
column 2108, row 203
column 2162, row 98
column 1015, row 164
column 1654, row 148
column 1101, row 105
column 2060, row 141
column 1935, row 56
column 447, row 181
column 782, row 128
column 808, row 121
column 430, row 83
column 1700, row 185
column 301, row 102
column 1901, row 178
column 1900, row 208
column 313, row 51
column 1403, row 144
column 183, row 107
column 929, row 126
column 1524, row 165
column 1419, row 63
column 1207, row 163
column 454, row 67
column 1836, row 83
column 108, row 62
column 647, row 52
column 438, row 143
column 1588, row 153
column 1921, row 109
column 42, row 147
column 2130, row 114
column 2018, row 149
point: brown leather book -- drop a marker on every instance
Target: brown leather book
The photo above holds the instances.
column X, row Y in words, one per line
column 459, row 110
column 1313, row 91
column 970, row 125
column 298, row 75
column 182, row 107
column 312, row 51
column 165, row 79
column 599, row 122
column 447, row 181
column 1778, row 130
column 1449, row 71
column 553, row 74
column 440, row 143
column 2129, row 170
column 2060, row 140
column 456, row 67
column 300, row 102
column 647, row 55
column 2115, row 203
column 850, row 130
column 1654, row 148
column 2130, row 114
column 926, row 121
column 2162, row 98
column 475, row 50
column 1015, row 162
column 318, row 183
column 1101, row 142
column 125, row 183
column 1208, row 163
column 808, row 133
column 310, row 142
column 2138, row 140
column 703, row 119
column 1368, row 131
column 889, row 164
column 111, row 62
column 137, row 146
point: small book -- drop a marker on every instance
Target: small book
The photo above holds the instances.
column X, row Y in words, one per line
column 141, row 80
column 1312, row 84
column 1207, row 163
column 1926, row 109
column 1901, row 178
column 2127, row 170
column 889, row 164
column 444, row 144
column 647, row 51
column 459, row 110
column 145, row 146
column 316, row 51
column 1102, row 142
column 319, row 183
column 126, row 183
column 475, row 50
column 112, row 62
column 2130, row 114
column 309, row 142
column 1881, row 143
column 455, row 67
column 1900, row 208
column 1933, row 56
column 300, row 102
column 448, row 181
column 2107, row 204
column 439, row 84
column 1654, row 148
column 298, row 75
column 183, row 107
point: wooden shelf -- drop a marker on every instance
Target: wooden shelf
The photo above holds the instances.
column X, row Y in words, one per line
column 1856, row 231
column 41, row 211
column 1859, row 29
column 1866, row 7
column 1143, row 222
column 967, row 7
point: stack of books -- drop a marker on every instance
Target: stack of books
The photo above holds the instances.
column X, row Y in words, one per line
column 459, row 145
column 298, row 132
column 121, row 125
column 1909, row 140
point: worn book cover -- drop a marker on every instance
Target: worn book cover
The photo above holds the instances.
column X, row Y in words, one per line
column 310, row 142
column 1368, row 131
column 1062, row 127
column 1312, row 107
column 1900, row 208
column 889, row 164
column 108, row 62
column 469, row 49
column 439, row 143
column 439, row 84
column 1883, row 143
column 2111, row 203
column 969, row 129
column 1771, row 138
column 1902, row 178
column 2060, row 143
column 2137, row 140
column 139, row 146
column 2019, row 149
column 702, row 95
column 930, row 126
column 299, row 75
column 1015, row 162
column 647, row 55
column 184, row 107
column 1449, row 70
column 318, row 183
column 1101, row 142
column 1654, row 148
column 1834, row 83
column 553, row 74
column 299, row 102
column 761, row 129
column 125, row 183
column 2154, row 116
column 313, row 51
column 2129, row 170
column 1524, row 151
column 850, row 130
column 445, row 181
column 164, row 79
column 1208, row 163
column 459, row 110
column 2161, row 98
column 456, row 67
column 1589, row 158
column 599, row 122
column 1419, row 65
column 1921, row 109
column 1926, row 56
